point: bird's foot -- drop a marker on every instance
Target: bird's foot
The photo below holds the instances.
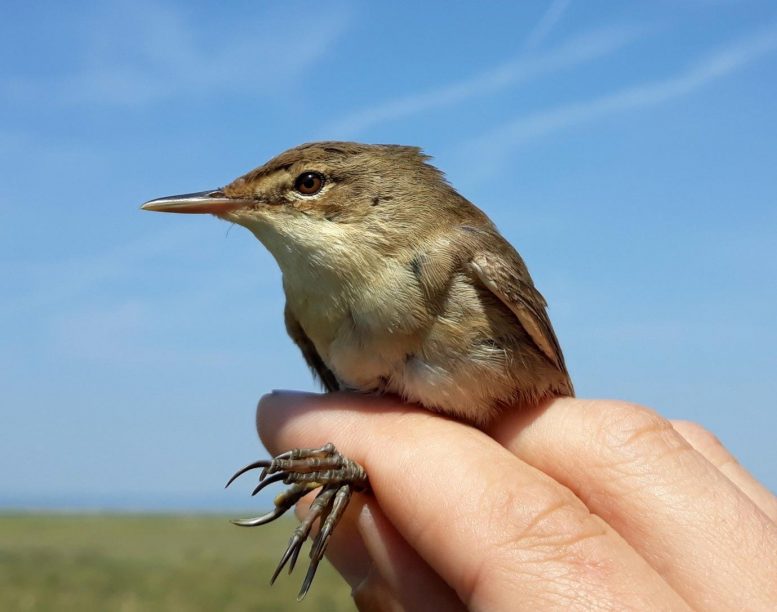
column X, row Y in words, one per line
column 307, row 470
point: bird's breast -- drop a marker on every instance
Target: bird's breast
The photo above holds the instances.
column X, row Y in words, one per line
column 362, row 326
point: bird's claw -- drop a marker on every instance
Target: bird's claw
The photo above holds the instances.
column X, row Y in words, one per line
column 306, row 470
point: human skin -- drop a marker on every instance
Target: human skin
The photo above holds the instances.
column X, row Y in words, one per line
column 575, row 504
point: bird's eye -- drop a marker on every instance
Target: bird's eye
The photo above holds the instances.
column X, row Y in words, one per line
column 309, row 183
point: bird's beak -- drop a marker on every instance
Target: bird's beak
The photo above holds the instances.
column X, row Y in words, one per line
column 213, row 202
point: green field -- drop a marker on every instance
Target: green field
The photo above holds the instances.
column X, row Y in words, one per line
column 152, row 562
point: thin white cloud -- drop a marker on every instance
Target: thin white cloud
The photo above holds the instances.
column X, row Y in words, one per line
column 715, row 66
column 585, row 48
column 134, row 54
column 547, row 22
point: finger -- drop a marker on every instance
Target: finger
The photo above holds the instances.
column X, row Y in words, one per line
column 629, row 466
column 372, row 557
column 708, row 445
column 495, row 529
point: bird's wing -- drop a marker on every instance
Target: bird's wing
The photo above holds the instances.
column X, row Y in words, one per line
column 506, row 276
column 309, row 352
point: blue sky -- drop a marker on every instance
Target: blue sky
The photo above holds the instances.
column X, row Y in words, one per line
column 627, row 149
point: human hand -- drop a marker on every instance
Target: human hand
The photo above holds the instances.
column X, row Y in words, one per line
column 575, row 504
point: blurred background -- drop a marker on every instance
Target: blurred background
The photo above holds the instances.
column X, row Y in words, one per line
column 626, row 149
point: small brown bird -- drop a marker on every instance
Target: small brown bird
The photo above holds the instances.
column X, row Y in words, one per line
column 394, row 283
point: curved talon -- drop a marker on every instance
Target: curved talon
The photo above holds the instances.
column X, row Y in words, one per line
column 259, row 520
column 306, row 470
column 335, row 510
column 268, row 481
column 293, row 560
column 262, row 463
column 300, row 535
column 308, row 579
column 292, row 550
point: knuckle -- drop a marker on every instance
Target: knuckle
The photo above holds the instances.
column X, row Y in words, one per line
column 698, row 435
column 539, row 529
column 537, row 511
column 630, row 430
column 556, row 520
column 638, row 450
column 707, row 444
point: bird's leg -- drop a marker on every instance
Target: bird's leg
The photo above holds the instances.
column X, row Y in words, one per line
column 306, row 470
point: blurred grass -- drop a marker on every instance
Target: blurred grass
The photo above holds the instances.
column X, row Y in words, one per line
column 153, row 562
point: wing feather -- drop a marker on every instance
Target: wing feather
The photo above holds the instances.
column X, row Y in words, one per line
column 509, row 280
column 318, row 367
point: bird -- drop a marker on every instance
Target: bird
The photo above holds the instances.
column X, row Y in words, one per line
column 394, row 284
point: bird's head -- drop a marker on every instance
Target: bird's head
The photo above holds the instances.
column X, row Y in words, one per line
column 317, row 197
